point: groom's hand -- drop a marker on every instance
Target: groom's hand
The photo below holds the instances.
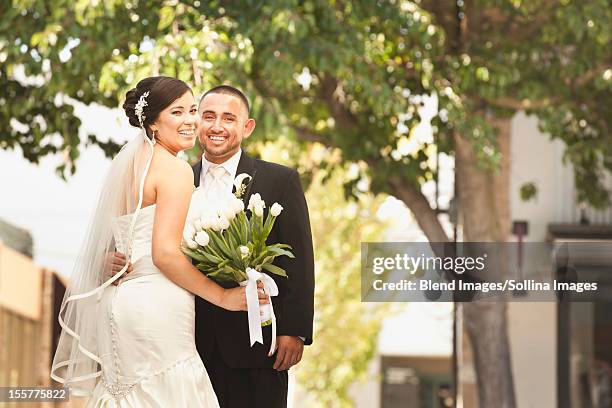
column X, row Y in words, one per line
column 115, row 261
column 289, row 352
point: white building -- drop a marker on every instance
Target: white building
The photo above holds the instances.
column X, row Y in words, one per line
column 561, row 352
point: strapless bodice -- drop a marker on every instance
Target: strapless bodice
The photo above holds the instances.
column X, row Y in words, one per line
column 143, row 230
column 142, row 236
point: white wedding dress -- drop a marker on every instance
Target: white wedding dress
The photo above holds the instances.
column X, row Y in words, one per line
column 146, row 334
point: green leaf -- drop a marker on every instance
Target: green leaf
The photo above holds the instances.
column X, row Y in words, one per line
column 217, row 240
column 275, row 270
column 166, row 17
column 238, row 276
column 280, row 252
column 194, row 254
column 221, row 276
column 268, row 226
column 206, row 267
column 266, row 260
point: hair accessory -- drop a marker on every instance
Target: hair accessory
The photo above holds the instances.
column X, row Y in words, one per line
column 142, row 102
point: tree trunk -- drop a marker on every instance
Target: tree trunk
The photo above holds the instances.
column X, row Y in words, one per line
column 484, row 198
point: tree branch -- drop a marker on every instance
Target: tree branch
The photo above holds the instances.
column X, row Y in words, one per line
column 425, row 216
column 328, row 93
column 590, row 75
column 309, row 136
column 517, row 104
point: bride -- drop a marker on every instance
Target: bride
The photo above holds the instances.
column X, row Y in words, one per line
column 132, row 344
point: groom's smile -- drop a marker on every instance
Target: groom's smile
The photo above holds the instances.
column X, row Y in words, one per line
column 217, row 139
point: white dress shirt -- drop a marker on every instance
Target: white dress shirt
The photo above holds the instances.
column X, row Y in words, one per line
column 231, row 167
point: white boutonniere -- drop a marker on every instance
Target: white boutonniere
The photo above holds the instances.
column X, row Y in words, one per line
column 241, row 182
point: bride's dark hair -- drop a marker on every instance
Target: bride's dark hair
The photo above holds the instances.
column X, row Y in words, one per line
column 162, row 92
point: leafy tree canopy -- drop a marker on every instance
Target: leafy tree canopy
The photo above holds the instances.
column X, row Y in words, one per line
column 346, row 74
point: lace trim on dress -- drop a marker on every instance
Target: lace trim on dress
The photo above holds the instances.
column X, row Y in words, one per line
column 120, row 390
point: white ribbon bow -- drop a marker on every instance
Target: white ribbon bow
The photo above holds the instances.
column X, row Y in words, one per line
column 270, row 289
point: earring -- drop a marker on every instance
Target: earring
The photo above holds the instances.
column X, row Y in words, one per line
column 155, row 136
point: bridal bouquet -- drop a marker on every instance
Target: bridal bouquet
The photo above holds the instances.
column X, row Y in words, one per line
column 228, row 246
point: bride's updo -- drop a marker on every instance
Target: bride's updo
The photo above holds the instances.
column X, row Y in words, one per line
column 162, row 92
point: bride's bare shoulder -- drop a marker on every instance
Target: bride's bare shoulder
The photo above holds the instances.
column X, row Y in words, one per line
column 170, row 167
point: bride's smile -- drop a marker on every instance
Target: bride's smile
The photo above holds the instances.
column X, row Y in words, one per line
column 187, row 133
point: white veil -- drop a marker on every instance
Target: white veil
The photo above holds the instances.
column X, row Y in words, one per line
column 77, row 361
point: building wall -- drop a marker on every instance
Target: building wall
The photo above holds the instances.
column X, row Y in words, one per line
column 20, row 311
column 533, row 344
column 536, row 158
column 533, row 326
column 18, row 349
column 20, row 284
column 418, row 332
column 366, row 392
column 29, row 300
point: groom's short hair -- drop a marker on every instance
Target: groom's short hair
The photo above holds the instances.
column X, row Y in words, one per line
column 228, row 90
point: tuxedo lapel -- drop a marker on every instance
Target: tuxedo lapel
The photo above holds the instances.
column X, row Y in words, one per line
column 246, row 165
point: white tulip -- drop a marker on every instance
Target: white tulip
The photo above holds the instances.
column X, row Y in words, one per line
column 191, row 244
column 259, row 210
column 215, row 224
column 238, row 206
column 255, row 200
column 228, row 211
column 229, row 196
column 252, row 200
column 188, row 232
column 276, row 209
column 244, row 251
column 206, row 211
column 202, row 238
column 197, row 224
column 224, row 223
column 209, row 221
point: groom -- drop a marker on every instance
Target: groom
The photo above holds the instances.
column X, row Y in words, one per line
column 245, row 376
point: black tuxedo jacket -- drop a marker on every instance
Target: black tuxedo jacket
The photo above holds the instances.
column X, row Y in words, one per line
column 222, row 331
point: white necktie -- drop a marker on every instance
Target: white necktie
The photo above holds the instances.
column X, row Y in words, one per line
column 217, row 185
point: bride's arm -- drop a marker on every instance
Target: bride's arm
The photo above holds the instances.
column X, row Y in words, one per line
column 174, row 187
